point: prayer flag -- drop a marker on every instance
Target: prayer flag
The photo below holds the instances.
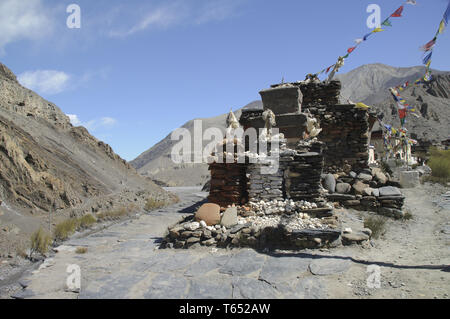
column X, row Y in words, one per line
column 387, row 23
column 412, row 2
column 351, row 50
column 427, row 58
column 377, row 30
column 441, row 27
column 447, row 14
column 429, row 45
column 397, row 13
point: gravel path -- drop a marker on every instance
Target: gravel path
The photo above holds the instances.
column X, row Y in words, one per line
column 123, row 262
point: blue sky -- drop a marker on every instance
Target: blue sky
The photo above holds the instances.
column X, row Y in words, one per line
column 136, row 69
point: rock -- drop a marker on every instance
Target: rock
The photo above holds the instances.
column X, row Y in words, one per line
column 353, row 174
column 209, row 213
column 343, row 188
column 329, row 183
column 389, row 191
column 376, row 192
column 354, row 238
column 203, row 224
column 359, row 187
column 367, row 231
column 192, row 226
column 368, row 191
column 381, row 178
column 230, row 217
column 348, row 231
column 365, row 177
column 192, row 240
column 409, row 179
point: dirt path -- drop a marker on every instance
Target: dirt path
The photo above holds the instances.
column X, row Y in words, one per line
column 124, row 262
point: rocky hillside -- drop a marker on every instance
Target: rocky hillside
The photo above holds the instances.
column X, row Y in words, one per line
column 46, row 164
column 368, row 84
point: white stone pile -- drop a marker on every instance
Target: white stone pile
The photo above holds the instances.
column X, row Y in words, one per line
column 296, row 221
column 279, row 207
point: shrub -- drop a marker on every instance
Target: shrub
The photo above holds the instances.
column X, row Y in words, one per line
column 408, row 216
column 153, row 203
column 113, row 214
column 66, row 228
column 87, row 220
column 81, row 250
column 40, row 242
column 376, row 224
column 440, row 164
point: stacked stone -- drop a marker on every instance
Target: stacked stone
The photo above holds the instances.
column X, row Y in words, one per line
column 228, row 184
column 303, row 172
column 319, row 93
column 345, row 131
column 265, row 187
column 370, row 190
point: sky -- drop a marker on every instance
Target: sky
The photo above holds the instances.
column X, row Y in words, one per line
column 137, row 69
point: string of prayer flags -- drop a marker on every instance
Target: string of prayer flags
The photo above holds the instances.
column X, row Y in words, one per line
column 398, row 13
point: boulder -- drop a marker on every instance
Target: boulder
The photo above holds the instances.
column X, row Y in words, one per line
column 209, row 213
column 343, row 188
column 329, row 183
column 365, row 177
column 230, row 217
column 376, row 192
column 381, row 178
column 359, row 187
column 389, row 191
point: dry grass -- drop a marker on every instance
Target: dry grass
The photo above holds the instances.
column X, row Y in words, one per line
column 440, row 164
column 40, row 242
column 66, row 228
column 81, row 250
column 113, row 214
column 377, row 224
column 87, row 220
column 153, row 204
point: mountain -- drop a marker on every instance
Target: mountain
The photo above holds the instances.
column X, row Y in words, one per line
column 47, row 165
column 368, row 84
column 156, row 163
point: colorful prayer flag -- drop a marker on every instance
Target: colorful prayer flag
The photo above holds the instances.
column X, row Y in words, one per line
column 427, row 58
column 377, row 30
column 387, row 23
column 447, row 14
column 412, row 2
column 397, row 13
column 441, row 27
column 367, row 36
column 429, row 45
column 351, row 50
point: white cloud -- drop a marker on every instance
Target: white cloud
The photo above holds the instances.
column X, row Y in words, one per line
column 102, row 123
column 45, row 81
column 160, row 17
column 108, row 121
column 217, row 10
column 23, row 20
column 74, row 119
column 182, row 12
